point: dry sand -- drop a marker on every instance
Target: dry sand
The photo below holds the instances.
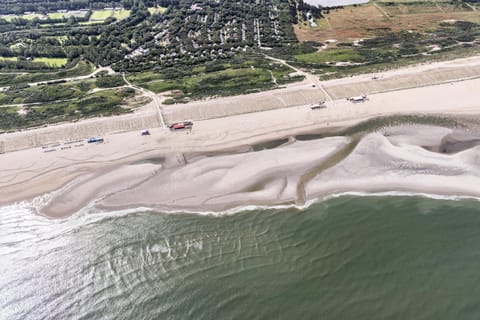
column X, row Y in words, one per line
column 31, row 172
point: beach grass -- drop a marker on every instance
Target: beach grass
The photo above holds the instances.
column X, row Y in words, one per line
column 79, row 69
column 222, row 83
column 102, row 103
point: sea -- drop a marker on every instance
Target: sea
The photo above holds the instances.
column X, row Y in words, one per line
column 345, row 257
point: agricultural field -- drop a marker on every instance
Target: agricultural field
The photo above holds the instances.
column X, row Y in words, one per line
column 377, row 18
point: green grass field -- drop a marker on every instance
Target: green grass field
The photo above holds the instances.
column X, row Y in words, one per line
column 23, row 16
column 121, row 14
column 53, row 62
column 336, row 55
column 9, row 58
column 8, row 18
column 90, row 22
column 61, row 15
column 51, row 15
column 157, row 10
column 56, row 15
column 101, row 14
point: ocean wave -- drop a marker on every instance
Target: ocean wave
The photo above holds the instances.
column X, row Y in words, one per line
column 249, row 208
column 91, row 213
column 307, row 205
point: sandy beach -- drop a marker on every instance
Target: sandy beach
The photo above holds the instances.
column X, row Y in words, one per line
column 131, row 170
column 392, row 159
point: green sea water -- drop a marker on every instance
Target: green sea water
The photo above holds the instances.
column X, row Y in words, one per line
column 349, row 257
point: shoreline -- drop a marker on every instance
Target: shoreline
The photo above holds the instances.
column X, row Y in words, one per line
column 32, row 172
